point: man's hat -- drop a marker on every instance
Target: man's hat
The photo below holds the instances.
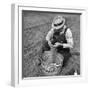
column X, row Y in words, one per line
column 58, row 22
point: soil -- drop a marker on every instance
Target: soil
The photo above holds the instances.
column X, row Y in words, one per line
column 35, row 27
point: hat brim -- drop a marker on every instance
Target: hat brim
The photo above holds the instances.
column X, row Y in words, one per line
column 59, row 26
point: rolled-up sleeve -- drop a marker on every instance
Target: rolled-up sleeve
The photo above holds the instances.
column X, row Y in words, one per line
column 49, row 35
column 69, row 37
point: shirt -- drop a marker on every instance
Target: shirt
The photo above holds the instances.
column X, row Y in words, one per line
column 68, row 36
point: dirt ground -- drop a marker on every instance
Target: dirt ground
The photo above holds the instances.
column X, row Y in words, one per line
column 35, row 27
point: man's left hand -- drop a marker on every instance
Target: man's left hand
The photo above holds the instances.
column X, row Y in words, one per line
column 67, row 46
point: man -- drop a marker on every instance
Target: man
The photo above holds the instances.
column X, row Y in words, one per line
column 59, row 37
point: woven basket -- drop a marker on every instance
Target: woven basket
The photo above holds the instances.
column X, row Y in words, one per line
column 52, row 62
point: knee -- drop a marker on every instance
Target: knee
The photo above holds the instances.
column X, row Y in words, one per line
column 45, row 46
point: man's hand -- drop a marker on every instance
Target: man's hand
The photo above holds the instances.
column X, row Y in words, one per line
column 50, row 44
column 58, row 44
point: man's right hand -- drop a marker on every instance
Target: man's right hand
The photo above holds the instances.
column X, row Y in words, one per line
column 58, row 44
column 50, row 44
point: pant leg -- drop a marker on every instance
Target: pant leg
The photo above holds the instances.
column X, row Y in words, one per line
column 66, row 54
column 45, row 46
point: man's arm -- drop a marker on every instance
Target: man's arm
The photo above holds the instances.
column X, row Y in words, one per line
column 69, row 39
column 49, row 36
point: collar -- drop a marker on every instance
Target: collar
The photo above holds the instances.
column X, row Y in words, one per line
column 63, row 29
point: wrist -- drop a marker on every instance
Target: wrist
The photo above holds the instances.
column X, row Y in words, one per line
column 66, row 46
column 49, row 43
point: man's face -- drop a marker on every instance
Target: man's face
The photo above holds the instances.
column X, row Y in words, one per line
column 58, row 30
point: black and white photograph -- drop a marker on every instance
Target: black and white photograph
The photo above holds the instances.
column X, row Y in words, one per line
column 47, row 45
column 50, row 44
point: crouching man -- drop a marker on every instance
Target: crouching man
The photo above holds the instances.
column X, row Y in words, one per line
column 59, row 37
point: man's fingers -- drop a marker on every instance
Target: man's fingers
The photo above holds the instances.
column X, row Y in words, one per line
column 58, row 44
